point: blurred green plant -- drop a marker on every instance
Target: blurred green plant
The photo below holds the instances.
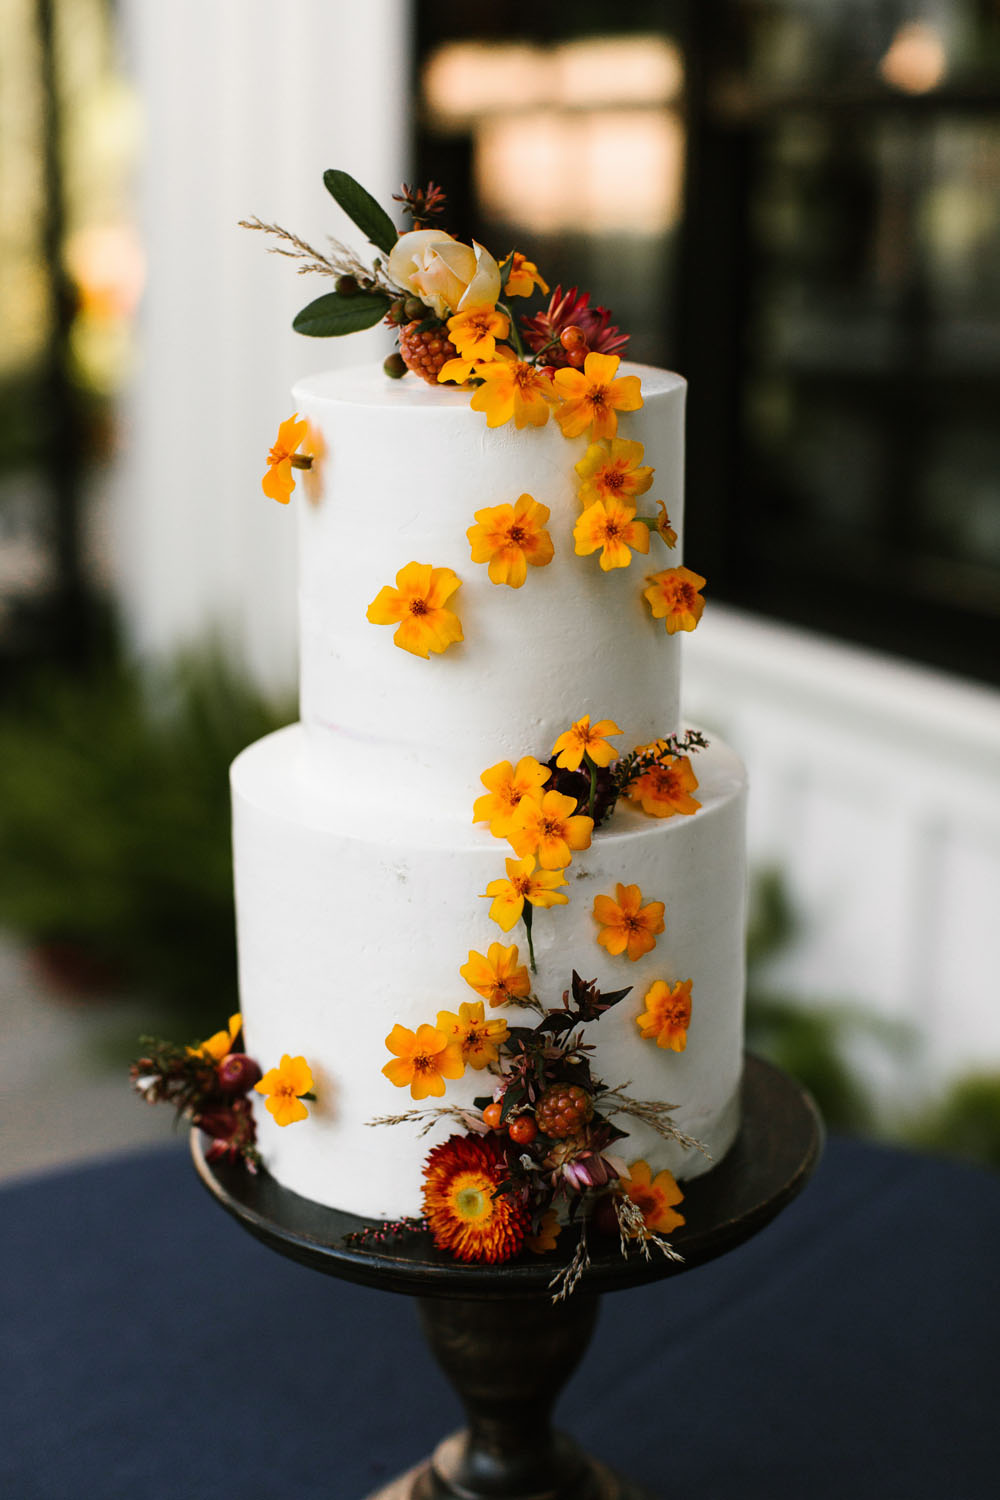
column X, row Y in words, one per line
column 965, row 1123
column 114, row 826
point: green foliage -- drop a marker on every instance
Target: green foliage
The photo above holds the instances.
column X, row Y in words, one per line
column 359, row 205
column 114, row 823
column 966, row 1123
column 334, row 314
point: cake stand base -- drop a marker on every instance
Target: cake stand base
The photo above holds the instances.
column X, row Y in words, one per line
column 507, row 1349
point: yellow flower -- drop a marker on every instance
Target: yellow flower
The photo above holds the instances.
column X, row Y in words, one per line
column 550, row 829
column 445, row 274
column 505, row 786
column 424, row 1059
column 283, row 1085
column 626, row 924
column 279, row 481
column 523, row 883
column 584, row 738
column 458, row 370
column 612, row 526
column 475, row 331
column 654, row 1197
column 477, row 1037
column 674, row 598
column 418, row 605
column 523, row 276
column 498, row 977
column 548, row 1229
column 220, row 1042
column 513, row 388
column 611, row 470
column 667, row 1015
column 664, row 528
column 509, row 537
column 593, row 397
column 666, row 788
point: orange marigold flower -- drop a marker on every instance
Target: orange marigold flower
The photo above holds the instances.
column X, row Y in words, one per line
column 220, row 1042
column 627, row 925
column 674, row 598
column 477, row 1037
column 424, row 1059
column 584, row 738
column 663, row 526
column 499, row 976
column 612, row 470
column 523, row 276
column 509, row 537
column 654, row 1197
column 505, row 786
column 513, row 388
column 666, row 788
column 279, row 480
column 612, row 526
column 474, row 332
column 523, row 883
column 548, row 1230
column 550, row 829
column 283, row 1086
column 466, row 1213
column 592, row 397
column 418, row 604
column 667, row 1015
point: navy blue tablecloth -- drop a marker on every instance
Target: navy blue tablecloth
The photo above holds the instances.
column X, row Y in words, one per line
column 151, row 1348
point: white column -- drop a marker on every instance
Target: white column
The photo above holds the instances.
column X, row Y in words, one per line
column 246, row 103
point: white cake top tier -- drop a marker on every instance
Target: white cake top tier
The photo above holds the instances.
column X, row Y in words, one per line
column 404, row 469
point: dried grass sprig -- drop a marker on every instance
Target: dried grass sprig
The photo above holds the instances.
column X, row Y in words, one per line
column 651, row 1112
column 471, row 1119
column 632, row 1230
column 302, row 250
column 564, row 1282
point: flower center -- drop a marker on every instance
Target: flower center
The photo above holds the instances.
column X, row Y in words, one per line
column 599, row 396
column 522, row 884
column 472, row 1203
column 524, row 377
column 517, row 535
column 418, row 607
column 613, row 530
column 276, row 456
column 424, row 1064
column 551, row 828
column 632, row 922
column 614, row 479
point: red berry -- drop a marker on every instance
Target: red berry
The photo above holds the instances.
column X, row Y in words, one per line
column 522, row 1130
column 563, row 1110
column 492, row 1114
column 428, row 352
column 573, row 337
column 237, row 1073
column 576, row 357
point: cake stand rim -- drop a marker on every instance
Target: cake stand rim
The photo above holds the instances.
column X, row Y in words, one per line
column 778, row 1146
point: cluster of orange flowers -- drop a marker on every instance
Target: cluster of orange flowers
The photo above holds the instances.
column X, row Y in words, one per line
column 424, row 1058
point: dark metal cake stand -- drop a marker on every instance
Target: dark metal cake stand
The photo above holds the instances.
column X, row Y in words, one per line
column 506, row 1348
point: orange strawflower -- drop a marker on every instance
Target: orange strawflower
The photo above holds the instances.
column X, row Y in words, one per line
column 666, row 788
column 612, row 470
column 627, row 925
column 674, row 598
column 509, row 537
column 513, row 388
column 550, row 829
column 466, row 1213
column 592, row 397
column 612, row 526
column 279, row 480
column 667, row 1015
column 523, row 276
column 477, row 1037
column 498, row 976
column 424, row 1059
column 418, row 605
column 505, row 786
column 548, row 1230
column 474, row 332
column 523, row 884
column 584, row 738
column 283, row 1085
column 220, row 1042
column 654, row 1197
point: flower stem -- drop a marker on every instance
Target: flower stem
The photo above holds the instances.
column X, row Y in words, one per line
column 526, row 914
column 593, row 784
column 513, row 329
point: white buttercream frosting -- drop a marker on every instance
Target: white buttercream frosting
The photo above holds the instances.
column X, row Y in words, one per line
column 359, row 873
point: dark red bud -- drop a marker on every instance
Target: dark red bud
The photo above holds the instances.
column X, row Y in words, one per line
column 237, row 1073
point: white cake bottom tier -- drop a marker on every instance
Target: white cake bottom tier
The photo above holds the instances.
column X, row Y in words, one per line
column 350, row 922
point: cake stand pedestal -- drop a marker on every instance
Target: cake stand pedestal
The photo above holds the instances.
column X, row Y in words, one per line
column 503, row 1344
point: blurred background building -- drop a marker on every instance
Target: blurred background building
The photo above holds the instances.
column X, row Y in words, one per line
column 796, row 203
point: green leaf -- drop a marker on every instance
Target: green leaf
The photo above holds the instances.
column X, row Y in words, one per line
column 334, row 314
column 370, row 217
column 505, row 269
